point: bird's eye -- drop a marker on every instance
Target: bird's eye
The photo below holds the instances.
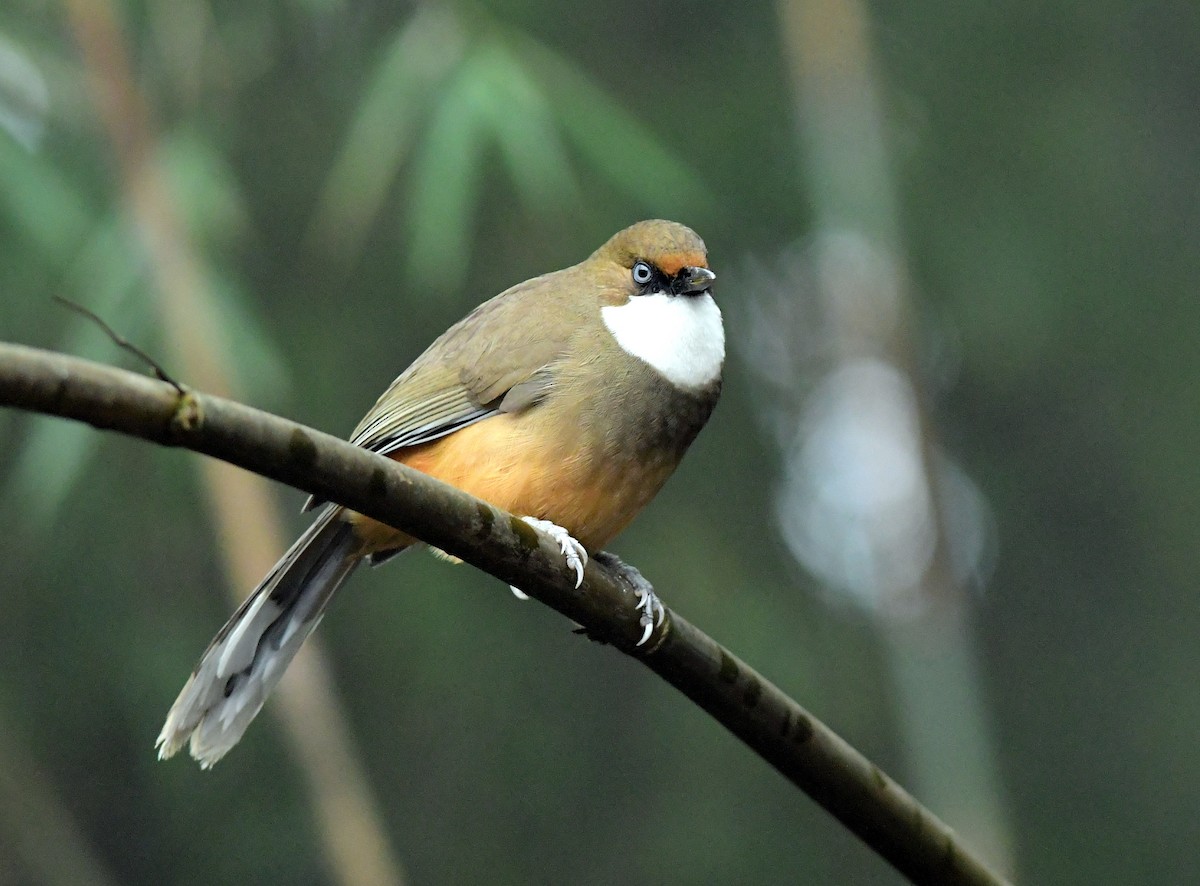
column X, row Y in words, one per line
column 642, row 273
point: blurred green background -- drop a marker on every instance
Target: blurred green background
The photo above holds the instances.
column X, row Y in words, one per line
column 984, row 217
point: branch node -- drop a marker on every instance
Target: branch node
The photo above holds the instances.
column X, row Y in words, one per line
column 188, row 415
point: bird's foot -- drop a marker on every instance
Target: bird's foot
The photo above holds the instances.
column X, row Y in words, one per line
column 574, row 553
column 652, row 609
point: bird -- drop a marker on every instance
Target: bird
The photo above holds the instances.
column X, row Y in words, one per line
column 568, row 400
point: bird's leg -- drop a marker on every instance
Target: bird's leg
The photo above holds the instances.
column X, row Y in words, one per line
column 652, row 609
column 574, row 553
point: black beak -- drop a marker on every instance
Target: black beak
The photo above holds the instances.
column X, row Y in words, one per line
column 690, row 281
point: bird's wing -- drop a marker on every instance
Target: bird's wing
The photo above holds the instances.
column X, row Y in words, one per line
column 417, row 408
column 499, row 358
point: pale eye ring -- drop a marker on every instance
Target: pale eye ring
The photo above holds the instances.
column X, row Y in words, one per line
column 642, row 273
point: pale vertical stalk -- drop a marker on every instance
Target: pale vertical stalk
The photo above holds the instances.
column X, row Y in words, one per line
column 925, row 618
column 944, row 724
column 351, row 826
column 37, row 828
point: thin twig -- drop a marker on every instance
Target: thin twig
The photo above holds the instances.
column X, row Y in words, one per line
column 122, row 342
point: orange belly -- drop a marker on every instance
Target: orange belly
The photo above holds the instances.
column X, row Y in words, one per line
column 506, row 461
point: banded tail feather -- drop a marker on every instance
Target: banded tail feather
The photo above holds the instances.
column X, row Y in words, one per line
column 249, row 654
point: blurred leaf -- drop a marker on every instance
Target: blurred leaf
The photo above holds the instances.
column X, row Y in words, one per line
column 446, row 180
column 321, row 7
column 384, row 128
column 523, row 123
column 210, row 198
column 205, row 190
column 258, row 365
column 494, row 96
column 615, row 143
column 41, row 202
column 47, row 467
column 24, row 98
column 105, row 278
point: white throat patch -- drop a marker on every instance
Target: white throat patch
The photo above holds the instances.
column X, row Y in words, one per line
column 679, row 335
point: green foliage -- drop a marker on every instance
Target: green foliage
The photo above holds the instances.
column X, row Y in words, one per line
column 353, row 176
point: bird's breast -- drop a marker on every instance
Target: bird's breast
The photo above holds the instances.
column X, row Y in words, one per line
column 681, row 337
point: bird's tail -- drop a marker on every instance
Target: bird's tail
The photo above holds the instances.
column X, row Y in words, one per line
column 250, row 653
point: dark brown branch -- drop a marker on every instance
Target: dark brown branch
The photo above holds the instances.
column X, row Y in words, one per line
column 803, row 749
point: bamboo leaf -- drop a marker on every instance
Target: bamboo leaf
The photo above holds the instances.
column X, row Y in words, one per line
column 41, row 202
column 24, row 96
column 523, row 124
column 446, row 181
column 384, row 129
column 106, row 278
column 615, row 144
column 255, row 358
column 205, row 190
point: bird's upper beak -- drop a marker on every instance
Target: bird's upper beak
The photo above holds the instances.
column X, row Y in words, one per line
column 690, row 281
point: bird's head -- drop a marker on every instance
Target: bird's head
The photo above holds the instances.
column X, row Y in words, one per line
column 654, row 257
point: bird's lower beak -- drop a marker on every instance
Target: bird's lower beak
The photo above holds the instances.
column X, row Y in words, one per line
column 690, row 281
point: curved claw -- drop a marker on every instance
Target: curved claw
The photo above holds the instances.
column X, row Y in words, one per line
column 652, row 609
column 575, row 553
column 649, row 626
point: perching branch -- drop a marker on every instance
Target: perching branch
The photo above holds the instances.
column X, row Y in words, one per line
column 803, row 749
